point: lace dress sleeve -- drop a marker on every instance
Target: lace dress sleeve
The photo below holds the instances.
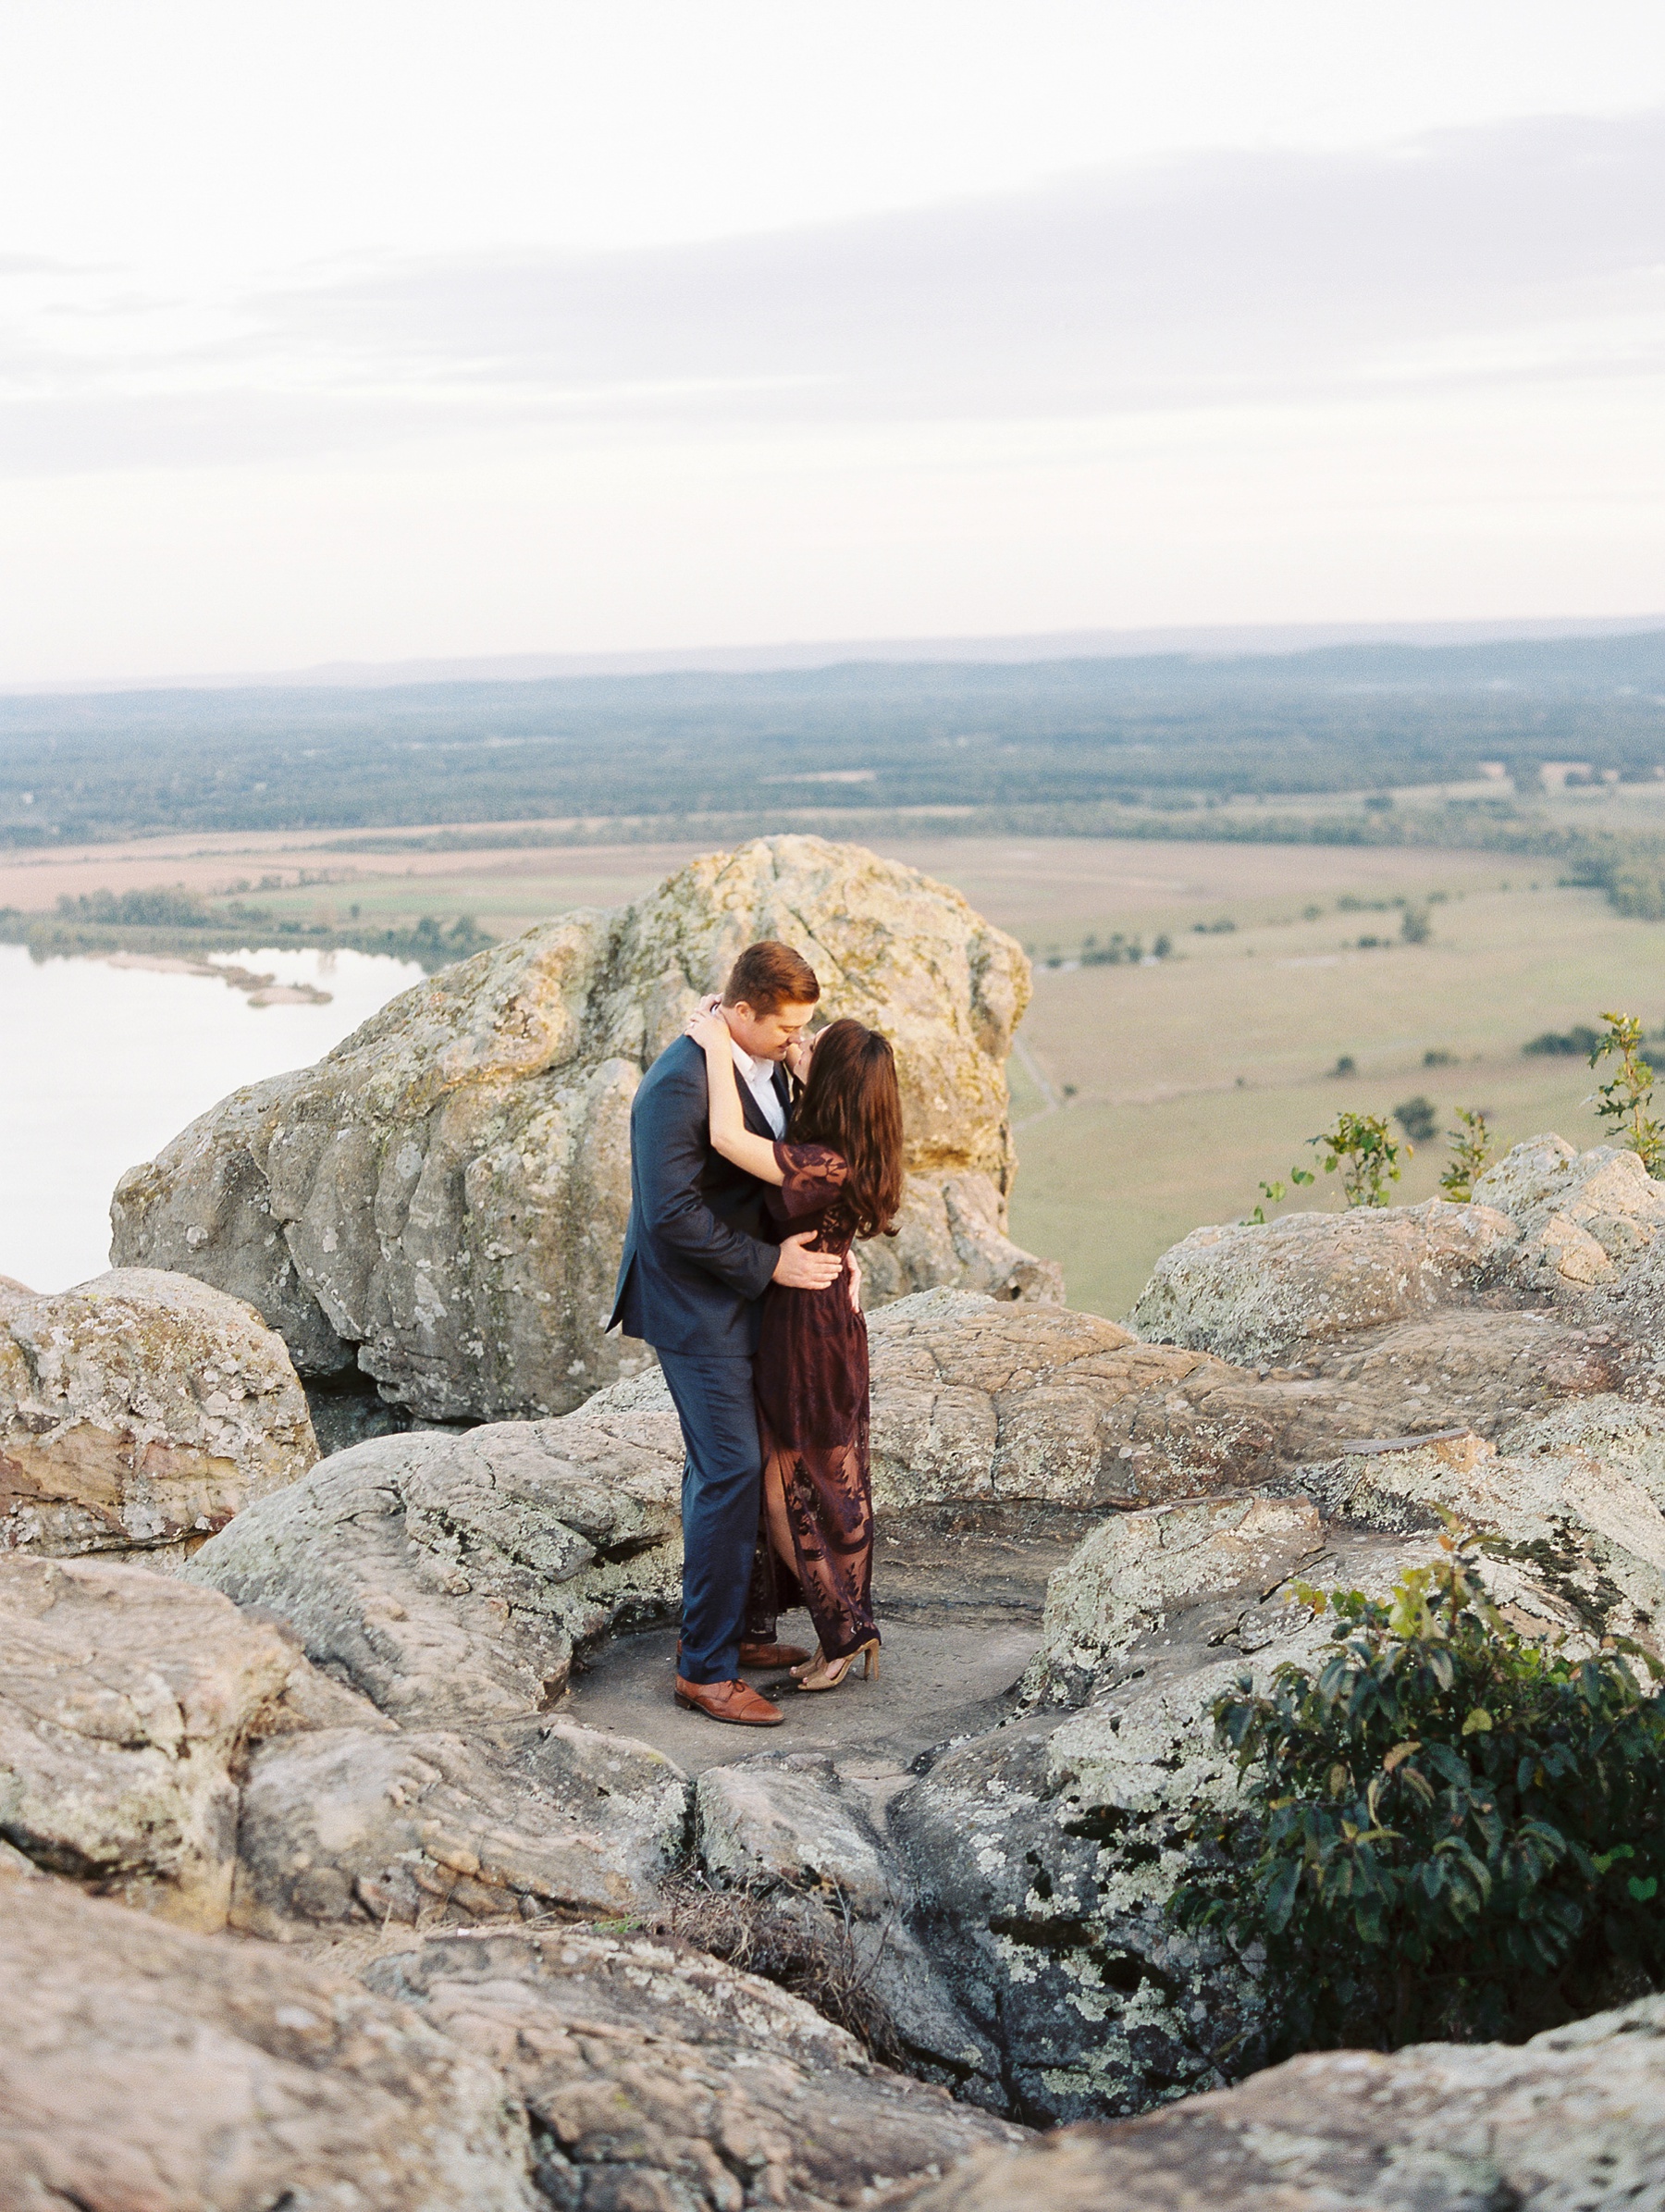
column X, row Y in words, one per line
column 815, row 1177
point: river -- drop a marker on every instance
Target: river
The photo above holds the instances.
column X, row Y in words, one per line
column 100, row 1064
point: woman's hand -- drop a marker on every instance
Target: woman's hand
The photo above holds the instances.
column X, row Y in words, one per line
column 708, row 1030
column 850, row 1262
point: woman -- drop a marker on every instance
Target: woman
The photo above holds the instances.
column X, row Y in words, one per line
column 838, row 1172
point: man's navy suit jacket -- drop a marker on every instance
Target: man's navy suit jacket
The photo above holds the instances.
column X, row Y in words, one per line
column 699, row 1252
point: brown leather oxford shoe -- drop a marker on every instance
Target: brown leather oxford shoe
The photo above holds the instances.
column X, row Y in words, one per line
column 734, row 1701
column 772, row 1655
column 755, row 1654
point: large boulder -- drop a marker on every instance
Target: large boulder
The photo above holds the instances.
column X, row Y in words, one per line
column 1584, row 1217
column 658, row 2080
column 1253, row 1291
column 447, row 1578
column 1550, row 1231
column 1117, row 1586
column 147, row 2067
column 979, row 1402
column 350, row 1825
column 127, row 1701
column 1575, row 2117
column 137, row 1413
column 442, row 1199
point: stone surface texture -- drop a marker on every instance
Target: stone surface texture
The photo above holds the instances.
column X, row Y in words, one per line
column 442, row 1199
column 1250, row 1292
column 447, row 1577
column 137, row 1413
column 791, row 1833
column 343, row 1825
column 1043, row 1852
column 126, row 1702
column 145, row 2068
column 658, row 2080
column 1574, row 2117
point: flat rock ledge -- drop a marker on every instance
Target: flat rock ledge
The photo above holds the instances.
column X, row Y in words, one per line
column 1574, row 2117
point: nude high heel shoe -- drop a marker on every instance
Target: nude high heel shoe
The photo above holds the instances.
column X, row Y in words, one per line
column 832, row 1673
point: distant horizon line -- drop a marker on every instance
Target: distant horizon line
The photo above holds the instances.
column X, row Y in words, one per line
column 1207, row 641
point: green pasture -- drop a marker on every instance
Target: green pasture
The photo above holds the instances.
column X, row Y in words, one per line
column 1159, row 1096
column 1191, row 1082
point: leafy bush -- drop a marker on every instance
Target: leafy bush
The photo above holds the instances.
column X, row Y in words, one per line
column 1418, row 1117
column 1438, row 1057
column 1626, row 1100
column 1119, row 948
column 1345, row 1065
column 1450, row 1831
column 1415, row 926
column 1471, row 1150
column 157, row 908
column 1573, row 1043
column 1366, row 1157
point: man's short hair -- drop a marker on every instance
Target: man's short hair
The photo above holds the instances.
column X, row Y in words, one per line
column 770, row 975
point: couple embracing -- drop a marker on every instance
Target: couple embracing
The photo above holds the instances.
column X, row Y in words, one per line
column 757, row 1155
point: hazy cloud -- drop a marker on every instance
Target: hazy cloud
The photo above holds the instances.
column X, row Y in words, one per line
column 1500, row 257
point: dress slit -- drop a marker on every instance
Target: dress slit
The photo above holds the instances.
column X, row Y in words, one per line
column 812, row 1387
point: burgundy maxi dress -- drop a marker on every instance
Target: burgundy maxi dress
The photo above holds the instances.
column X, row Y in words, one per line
column 811, row 1386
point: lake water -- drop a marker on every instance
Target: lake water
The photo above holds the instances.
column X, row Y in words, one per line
column 99, row 1066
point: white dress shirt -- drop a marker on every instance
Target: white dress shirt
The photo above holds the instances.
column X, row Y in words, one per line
column 759, row 1078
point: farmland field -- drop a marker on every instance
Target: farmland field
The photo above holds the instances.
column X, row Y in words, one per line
column 1148, row 1097
column 1151, row 1098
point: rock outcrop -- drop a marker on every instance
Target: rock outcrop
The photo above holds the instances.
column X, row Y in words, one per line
column 797, row 1840
column 1573, row 2118
column 126, row 1702
column 345, row 1825
column 1583, row 1218
column 137, row 1413
column 1255, row 1292
column 441, row 1201
column 143, row 2066
column 1043, row 1852
column 655, row 2077
column 449, row 1578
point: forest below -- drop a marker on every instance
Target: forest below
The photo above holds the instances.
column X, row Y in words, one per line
column 1385, row 743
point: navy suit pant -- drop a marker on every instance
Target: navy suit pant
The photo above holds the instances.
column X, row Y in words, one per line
column 723, row 1480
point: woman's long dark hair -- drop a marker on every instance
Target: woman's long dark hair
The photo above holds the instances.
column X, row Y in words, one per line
column 851, row 1103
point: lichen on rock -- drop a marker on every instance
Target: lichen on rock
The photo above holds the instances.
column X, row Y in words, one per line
column 137, row 1413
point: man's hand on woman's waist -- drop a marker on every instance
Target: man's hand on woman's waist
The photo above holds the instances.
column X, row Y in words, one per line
column 801, row 1270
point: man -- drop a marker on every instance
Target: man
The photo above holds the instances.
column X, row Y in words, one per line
column 697, row 1261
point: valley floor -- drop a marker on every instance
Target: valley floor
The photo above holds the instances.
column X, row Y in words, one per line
column 1148, row 1097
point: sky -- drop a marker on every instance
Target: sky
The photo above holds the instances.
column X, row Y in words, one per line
column 374, row 332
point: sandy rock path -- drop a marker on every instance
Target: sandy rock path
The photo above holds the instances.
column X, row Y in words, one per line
column 959, row 1611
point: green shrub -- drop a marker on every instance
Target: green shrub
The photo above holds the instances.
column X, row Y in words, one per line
column 1450, row 1831
column 1625, row 1099
column 1418, row 1117
column 1415, row 927
column 1470, row 1151
column 1119, row 948
column 1577, row 1042
column 1367, row 1158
